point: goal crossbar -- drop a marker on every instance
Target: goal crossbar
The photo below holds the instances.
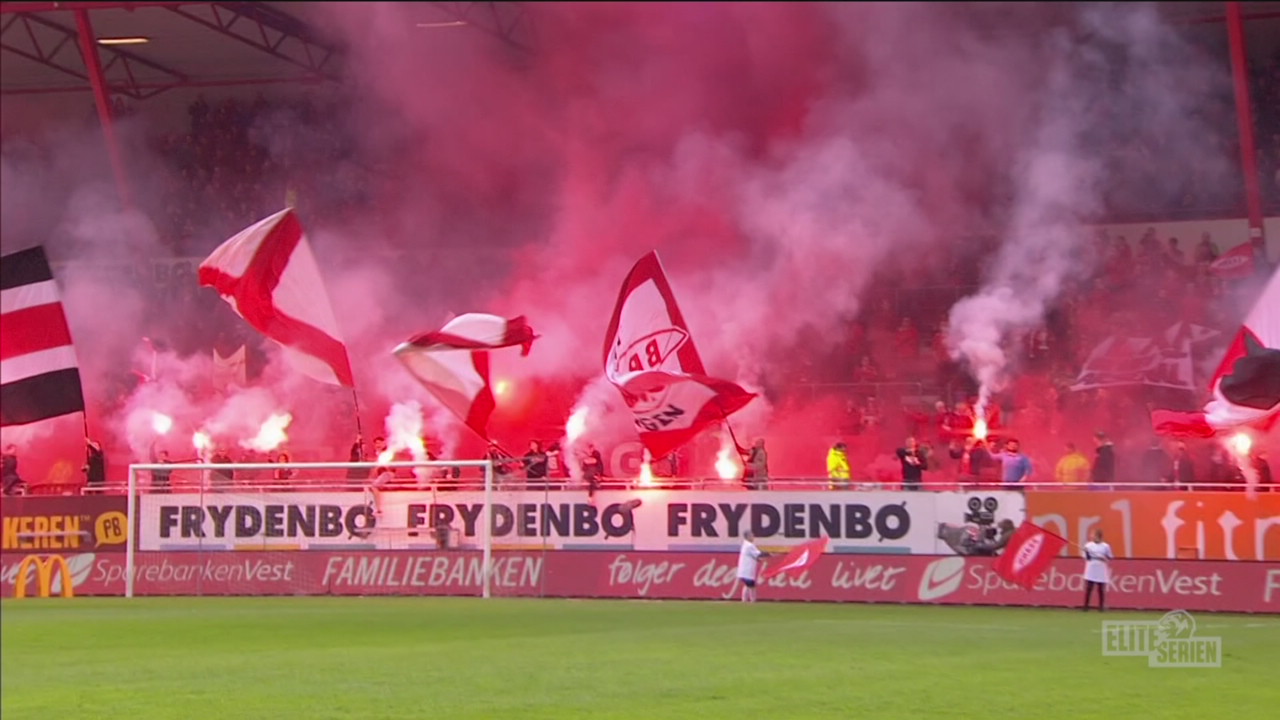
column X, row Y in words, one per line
column 131, row 497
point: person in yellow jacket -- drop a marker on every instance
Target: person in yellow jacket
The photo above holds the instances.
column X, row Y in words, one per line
column 1073, row 468
column 838, row 466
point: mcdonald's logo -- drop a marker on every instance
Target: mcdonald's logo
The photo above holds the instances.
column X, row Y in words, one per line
column 44, row 567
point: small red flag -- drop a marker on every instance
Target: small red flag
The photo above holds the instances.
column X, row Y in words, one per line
column 1028, row 555
column 1235, row 264
column 801, row 558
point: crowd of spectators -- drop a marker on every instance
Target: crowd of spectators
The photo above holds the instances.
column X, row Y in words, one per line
column 886, row 374
column 889, row 364
column 232, row 165
column 238, row 161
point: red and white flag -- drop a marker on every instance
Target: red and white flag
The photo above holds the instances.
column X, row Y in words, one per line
column 1028, row 555
column 801, row 558
column 39, row 374
column 1236, row 263
column 270, row 277
column 650, row 357
column 1246, row 387
column 452, row 363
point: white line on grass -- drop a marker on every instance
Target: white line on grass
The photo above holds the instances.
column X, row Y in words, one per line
column 1220, row 626
column 895, row 623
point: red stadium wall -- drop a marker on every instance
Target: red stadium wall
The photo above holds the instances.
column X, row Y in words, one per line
column 1199, row 585
column 87, row 532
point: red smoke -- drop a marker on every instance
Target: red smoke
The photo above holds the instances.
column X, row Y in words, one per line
column 780, row 157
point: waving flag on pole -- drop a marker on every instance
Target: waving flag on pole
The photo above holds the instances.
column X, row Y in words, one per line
column 800, row 558
column 452, row 363
column 1236, row 263
column 270, row 277
column 39, row 374
column 1246, row 387
column 1028, row 555
column 650, row 357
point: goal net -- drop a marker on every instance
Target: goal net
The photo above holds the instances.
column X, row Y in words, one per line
column 412, row 528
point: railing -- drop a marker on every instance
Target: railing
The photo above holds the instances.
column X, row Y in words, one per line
column 560, row 484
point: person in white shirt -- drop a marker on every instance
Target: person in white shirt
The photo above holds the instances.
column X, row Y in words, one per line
column 748, row 563
column 1097, row 570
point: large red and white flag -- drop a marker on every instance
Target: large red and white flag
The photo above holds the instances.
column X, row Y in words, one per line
column 39, row 374
column 1028, row 555
column 650, row 357
column 270, row 277
column 452, row 363
column 801, row 558
column 1246, row 387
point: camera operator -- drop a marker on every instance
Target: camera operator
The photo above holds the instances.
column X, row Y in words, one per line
column 989, row 546
column 981, row 535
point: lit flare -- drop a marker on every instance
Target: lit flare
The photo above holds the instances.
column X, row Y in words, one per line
column 161, row 423
column 728, row 466
column 272, row 433
column 201, row 441
column 404, row 434
column 577, row 424
column 646, row 473
column 1240, row 443
column 980, row 428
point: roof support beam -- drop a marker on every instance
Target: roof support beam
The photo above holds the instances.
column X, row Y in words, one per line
column 275, row 33
column 45, row 42
column 30, row 7
column 1244, row 119
column 102, row 98
column 507, row 21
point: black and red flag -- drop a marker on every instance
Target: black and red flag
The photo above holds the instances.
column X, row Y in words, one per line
column 39, row 374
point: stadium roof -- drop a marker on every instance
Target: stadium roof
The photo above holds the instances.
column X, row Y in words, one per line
column 218, row 44
column 199, row 44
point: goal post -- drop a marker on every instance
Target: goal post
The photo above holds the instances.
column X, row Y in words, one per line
column 192, row 510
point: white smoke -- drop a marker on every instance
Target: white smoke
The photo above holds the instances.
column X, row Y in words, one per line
column 1059, row 179
column 604, row 420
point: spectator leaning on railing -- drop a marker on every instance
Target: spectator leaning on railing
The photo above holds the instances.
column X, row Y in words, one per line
column 1104, row 462
column 1072, row 468
column 1182, row 470
column 915, row 460
column 757, row 466
column 1157, row 466
column 13, row 484
column 838, row 466
column 1016, row 466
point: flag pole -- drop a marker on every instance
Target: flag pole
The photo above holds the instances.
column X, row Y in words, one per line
column 724, row 416
column 84, row 417
column 355, row 399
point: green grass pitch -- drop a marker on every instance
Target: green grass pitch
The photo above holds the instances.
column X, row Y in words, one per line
column 320, row 658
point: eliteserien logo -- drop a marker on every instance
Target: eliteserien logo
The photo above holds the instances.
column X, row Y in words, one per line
column 1167, row 642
